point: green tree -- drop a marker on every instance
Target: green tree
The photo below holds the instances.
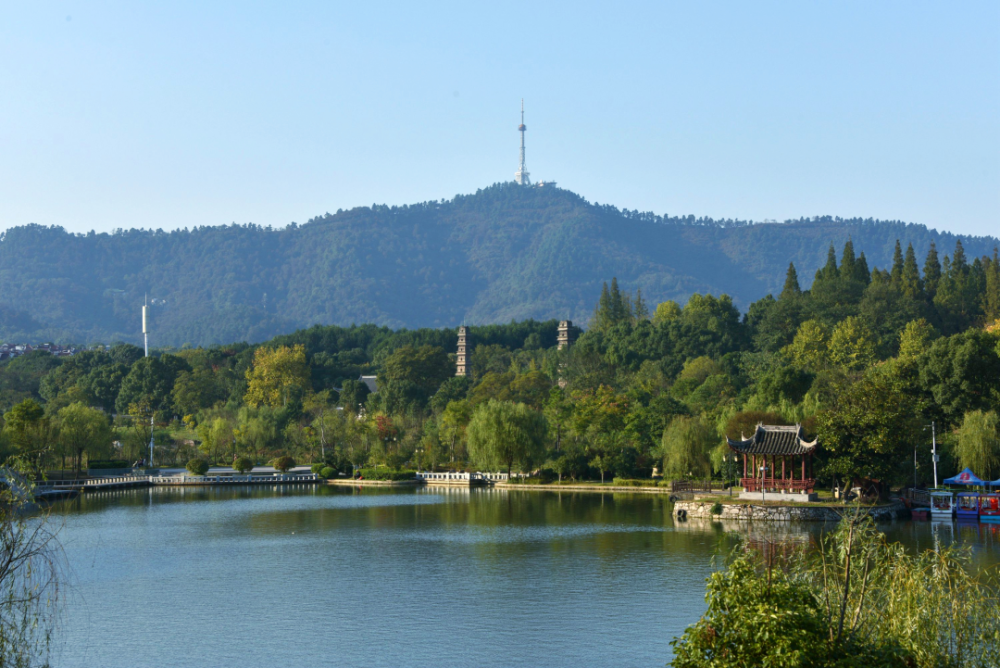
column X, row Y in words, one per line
column 852, row 344
column 216, row 437
column 870, row 429
column 687, row 443
column 353, row 395
column 427, row 367
column 29, row 431
column 916, row 338
column 961, row 373
column 979, row 444
column 810, row 348
column 932, row 271
column 150, row 381
column 501, row 433
column 667, row 311
column 276, row 375
column 83, row 429
column 791, row 288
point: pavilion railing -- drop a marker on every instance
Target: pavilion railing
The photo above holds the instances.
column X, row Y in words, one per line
column 777, row 484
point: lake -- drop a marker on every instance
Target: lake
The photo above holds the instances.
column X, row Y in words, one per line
column 209, row 577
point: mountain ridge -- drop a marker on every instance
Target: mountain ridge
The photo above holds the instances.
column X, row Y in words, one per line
column 505, row 252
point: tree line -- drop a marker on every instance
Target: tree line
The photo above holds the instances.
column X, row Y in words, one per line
column 865, row 358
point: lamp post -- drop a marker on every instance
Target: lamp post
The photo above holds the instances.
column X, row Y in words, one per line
column 934, row 454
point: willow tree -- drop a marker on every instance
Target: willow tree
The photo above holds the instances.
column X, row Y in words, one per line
column 502, row 432
column 979, row 443
column 687, row 442
column 31, row 567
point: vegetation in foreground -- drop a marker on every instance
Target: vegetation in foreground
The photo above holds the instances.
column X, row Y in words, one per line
column 866, row 359
column 31, row 575
column 856, row 600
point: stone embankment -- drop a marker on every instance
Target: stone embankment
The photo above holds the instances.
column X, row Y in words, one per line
column 778, row 513
column 350, row 482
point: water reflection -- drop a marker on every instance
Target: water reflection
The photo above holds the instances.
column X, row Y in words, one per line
column 373, row 577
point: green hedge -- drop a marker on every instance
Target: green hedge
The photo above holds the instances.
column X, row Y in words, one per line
column 387, row 474
column 327, row 472
column 108, row 464
column 635, row 482
column 197, row 466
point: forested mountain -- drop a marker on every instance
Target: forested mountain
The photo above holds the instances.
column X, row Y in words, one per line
column 504, row 253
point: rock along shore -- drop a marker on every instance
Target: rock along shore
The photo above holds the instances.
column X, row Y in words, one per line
column 778, row 513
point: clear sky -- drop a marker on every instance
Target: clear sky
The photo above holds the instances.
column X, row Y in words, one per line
column 177, row 114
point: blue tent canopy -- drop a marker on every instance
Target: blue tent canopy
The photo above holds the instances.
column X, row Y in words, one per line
column 966, row 477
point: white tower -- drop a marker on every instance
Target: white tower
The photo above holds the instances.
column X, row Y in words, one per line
column 521, row 176
column 145, row 340
column 145, row 330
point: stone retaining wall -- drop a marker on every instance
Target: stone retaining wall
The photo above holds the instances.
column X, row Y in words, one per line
column 750, row 512
column 348, row 482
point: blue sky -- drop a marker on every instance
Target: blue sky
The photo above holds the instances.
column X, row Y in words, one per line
column 166, row 115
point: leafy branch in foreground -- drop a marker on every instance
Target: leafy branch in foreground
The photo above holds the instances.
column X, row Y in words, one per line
column 857, row 600
column 30, row 576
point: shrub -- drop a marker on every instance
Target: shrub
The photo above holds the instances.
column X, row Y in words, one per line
column 242, row 464
column 716, row 508
column 635, row 482
column 283, row 463
column 108, row 464
column 318, row 467
column 387, row 474
column 327, row 472
column 197, row 466
column 546, row 475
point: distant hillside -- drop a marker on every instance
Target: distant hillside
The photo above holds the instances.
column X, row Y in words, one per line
column 504, row 253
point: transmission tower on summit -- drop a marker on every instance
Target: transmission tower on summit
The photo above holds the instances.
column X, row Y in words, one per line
column 521, row 176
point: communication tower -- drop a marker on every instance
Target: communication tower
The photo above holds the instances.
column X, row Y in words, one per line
column 145, row 330
column 145, row 341
column 521, row 176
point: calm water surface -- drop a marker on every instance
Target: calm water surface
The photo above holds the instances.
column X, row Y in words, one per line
column 431, row 577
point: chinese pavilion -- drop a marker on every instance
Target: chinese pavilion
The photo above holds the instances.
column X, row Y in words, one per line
column 762, row 453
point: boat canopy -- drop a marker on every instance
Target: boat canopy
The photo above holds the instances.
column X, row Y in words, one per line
column 966, row 477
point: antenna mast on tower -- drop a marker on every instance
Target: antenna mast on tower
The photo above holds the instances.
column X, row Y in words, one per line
column 521, row 176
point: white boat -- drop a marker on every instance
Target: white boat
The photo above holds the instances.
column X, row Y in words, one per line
column 942, row 504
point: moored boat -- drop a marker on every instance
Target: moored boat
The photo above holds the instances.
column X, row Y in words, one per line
column 989, row 508
column 942, row 504
column 967, row 506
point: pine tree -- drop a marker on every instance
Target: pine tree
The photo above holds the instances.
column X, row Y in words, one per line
column 991, row 296
column 897, row 265
column 910, row 282
column 791, row 288
column 639, row 310
column 848, row 262
column 958, row 262
column 932, row 271
column 602, row 313
column 829, row 272
column 862, row 273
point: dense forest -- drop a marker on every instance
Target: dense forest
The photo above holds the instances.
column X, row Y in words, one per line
column 504, row 253
column 865, row 358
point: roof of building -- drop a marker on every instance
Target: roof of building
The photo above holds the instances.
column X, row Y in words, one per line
column 774, row 440
column 370, row 381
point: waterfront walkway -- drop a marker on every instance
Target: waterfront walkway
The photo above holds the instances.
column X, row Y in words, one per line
column 64, row 487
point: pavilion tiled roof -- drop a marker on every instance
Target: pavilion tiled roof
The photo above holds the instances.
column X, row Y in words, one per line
column 773, row 440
